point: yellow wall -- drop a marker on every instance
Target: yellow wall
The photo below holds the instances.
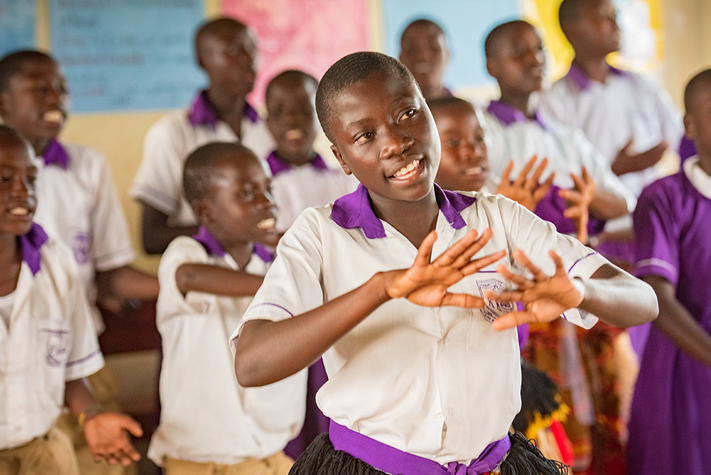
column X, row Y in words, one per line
column 685, row 41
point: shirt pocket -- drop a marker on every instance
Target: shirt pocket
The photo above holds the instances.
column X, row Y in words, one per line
column 53, row 351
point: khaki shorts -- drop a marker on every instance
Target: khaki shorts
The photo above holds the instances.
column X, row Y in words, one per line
column 277, row 464
column 51, row 454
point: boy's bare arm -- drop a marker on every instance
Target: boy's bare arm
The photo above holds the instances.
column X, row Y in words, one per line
column 627, row 162
column 127, row 283
column 105, row 432
column 677, row 324
column 270, row 351
column 610, row 294
column 607, row 205
column 216, row 280
column 156, row 232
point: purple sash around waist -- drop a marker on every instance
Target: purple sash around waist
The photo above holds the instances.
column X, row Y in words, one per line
column 391, row 460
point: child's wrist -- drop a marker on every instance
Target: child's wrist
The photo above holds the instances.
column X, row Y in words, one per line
column 579, row 285
column 89, row 413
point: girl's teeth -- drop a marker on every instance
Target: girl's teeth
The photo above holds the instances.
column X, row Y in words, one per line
column 19, row 211
column 407, row 169
column 266, row 223
column 52, row 116
column 294, row 134
column 473, row 171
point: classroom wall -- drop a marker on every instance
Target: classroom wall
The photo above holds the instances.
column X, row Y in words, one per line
column 685, row 47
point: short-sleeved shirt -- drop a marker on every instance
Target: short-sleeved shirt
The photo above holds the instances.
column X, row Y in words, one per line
column 77, row 203
column 436, row 382
column 298, row 188
column 51, row 340
column 671, row 412
column 627, row 106
column 206, row 416
column 159, row 180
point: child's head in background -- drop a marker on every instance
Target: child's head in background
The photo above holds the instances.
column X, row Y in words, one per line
column 290, row 98
column 380, row 127
column 424, row 51
column 464, row 165
column 590, row 26
column 229, row 191
column 697, row 119
column 17, row 183
column 227, row 51
column 34, row 98
column 515, row 58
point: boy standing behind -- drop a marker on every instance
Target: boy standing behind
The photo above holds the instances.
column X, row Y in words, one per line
column 208, row 421
column 227, row 52
column 301, row 178
column 424, row 51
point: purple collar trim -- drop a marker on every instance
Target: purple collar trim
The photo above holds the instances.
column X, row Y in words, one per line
column 277, row 165
column 509, row 114
column 202, row 113
column 31, row 244
column 56, row 154
column 391, row 460
column 354, row 211
column 582, row 80
column 213, row 247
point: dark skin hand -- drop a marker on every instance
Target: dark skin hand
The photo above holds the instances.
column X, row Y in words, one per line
column 677, row 324
column 157, row 234
column 216, row 280
column 304, row 338
column 627, row 162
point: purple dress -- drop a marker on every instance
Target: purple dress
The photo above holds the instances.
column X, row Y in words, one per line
column 670, row 422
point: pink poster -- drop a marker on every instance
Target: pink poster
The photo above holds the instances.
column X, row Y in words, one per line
column 306, row 34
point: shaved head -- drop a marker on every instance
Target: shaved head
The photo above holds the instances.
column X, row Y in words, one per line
column 572, row 10
column 214, row 29
column 421, row 23
column 500, row 34
column 9, row 137
column 701, row 83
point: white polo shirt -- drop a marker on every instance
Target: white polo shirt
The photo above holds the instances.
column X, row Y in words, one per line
column 51, row 340
column 626, row 106
column 78, row 204
column 512, row 136
column 297, row 188
column 436, row 382
column 159, row 180
column 206, row 416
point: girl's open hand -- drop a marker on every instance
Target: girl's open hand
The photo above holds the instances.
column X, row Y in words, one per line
column 427, row 281
column 106, row 435
column 544, row 297
column 578, row 201
column 526, row 190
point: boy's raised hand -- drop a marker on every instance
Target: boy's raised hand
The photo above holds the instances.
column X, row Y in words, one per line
column 107, row 439
column 544, row 297
column 526, row 190
column 578, row 203
column 427, row 281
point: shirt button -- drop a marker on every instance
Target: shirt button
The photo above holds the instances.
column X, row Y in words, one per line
column 438, row 414
column 443, row 341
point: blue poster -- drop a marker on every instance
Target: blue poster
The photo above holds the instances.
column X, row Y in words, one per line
column 17, row 25
column 466, row 24
column 127, row 54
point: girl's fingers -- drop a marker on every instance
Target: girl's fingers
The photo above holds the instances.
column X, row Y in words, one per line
column 539, row 171
column 507, row 172
column 574, row 212
column 505, row 296
column 424, row 253
column 462, row 300
column 538, row 274
column 476, row 265
column 457, row 249
column 513, row 320
column 571, row 195
column 559, row 266
column 522, row 282
column 521, row 178
column 466, row 256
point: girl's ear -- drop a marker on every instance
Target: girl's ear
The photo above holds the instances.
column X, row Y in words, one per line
column 689, row 128
column 339, row 157
column 202, row 210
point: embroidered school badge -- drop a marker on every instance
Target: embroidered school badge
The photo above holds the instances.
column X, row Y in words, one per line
column 57, row 345
column 494, row 309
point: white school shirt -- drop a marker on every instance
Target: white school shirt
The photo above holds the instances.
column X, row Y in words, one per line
column 159, row 180
column 439, row 383
column 77, row 203
column 626, row 106
column 206, row 416
column 297, row 188
column 50, row 340
column 512, row 136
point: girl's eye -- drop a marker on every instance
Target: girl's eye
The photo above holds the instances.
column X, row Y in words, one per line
column 247, row 195
column 364, row 137
column 6, row 179
column 453, row 143
column 408, row 114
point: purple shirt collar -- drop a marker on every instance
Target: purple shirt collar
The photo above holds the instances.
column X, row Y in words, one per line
column 354, row 211
column 582, row 80
column 202, row 113
column 31, row 244
column 391, row 460
column 213, row 246
column 277, row 165
column 56, row 154
column 509, row 114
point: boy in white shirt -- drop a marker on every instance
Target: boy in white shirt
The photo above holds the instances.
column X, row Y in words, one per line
column 300, row 177
column 419, row 377
column 425, row 52
column 208, row 421
column 226, row 51
column 48, row 338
